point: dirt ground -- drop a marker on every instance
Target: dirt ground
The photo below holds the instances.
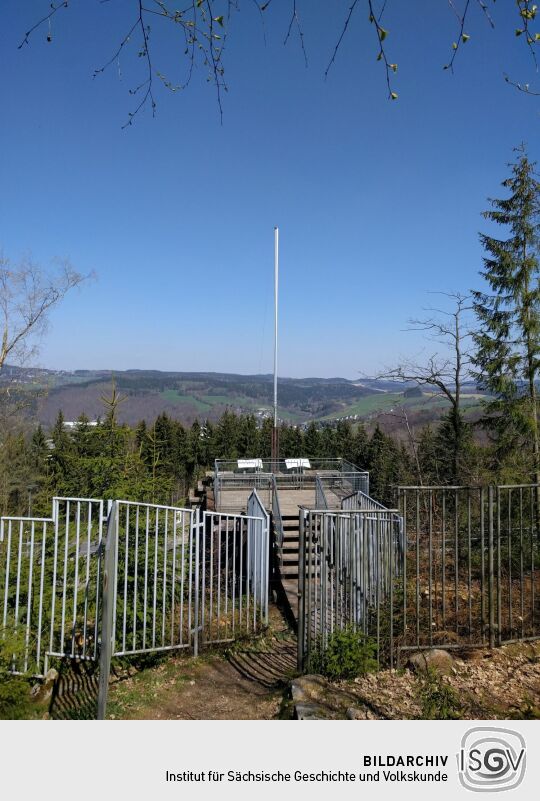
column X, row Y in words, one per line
column 499, row 684
column 251, row 682
column 247, row 682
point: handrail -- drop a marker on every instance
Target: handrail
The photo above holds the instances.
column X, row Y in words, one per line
column 360, row 500
column 321, row 501
column 276, row 516
column 279, row 466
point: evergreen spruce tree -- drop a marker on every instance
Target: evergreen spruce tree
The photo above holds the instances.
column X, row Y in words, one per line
column 360, row 447
column 508, row 339
column 248, row 437
column 312, row 440
column 344, row 441
column 328, row 443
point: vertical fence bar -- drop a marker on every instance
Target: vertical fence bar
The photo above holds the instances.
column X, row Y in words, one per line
column 165, row 564
column 499, row 592
column 196, row 524
column 41, row 589
column 107, row 632
column 126, row 565
column 534, row 513
column 391, row 560
column 482, row 564
column 456, row 557
column 173, row 577
column 443, row 558
column 154, row 604
column 417, row 567
column 145, row 591
column 510, row 616
column 491, row 574
column 469, row 561
column 29, row 596
column 430, row 557
column 64, row 592
column 521, row 564
column 135, row 576
column 403, row 507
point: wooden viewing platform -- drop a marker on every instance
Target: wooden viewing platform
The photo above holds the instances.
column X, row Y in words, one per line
column 296, row 484
column 234, row 501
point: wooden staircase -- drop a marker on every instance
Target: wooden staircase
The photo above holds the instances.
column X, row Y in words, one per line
column 291, row 544
column 289, row 566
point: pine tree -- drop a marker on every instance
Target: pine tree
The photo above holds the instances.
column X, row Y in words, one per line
column 508, row 339
column 312, row 440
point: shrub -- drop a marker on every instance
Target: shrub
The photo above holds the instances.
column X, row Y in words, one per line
column 348, row 653
column 439, row 700
column 14, row 690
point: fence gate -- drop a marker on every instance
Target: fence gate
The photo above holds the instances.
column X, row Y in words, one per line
column 472, row 570
column 50, row 583
column 349, row 564
column 121, row 578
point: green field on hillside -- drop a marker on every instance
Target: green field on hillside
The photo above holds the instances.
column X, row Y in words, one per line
column 384, row 402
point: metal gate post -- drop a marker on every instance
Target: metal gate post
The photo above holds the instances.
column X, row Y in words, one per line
column 301, row 591
column 491, row 582
column 195, row 522
column 107, row 609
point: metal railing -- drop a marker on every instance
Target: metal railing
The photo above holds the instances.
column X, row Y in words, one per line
column 277, row 520
column 229, row 489
column 144, row 578
column 472, row 565
column 260, row 552
column 279, row 466
column 352, row 477
column 344, row 484
column 349, row 564
column 360, row 500
column 320, row 498
column 154, row 565
column 50, row 583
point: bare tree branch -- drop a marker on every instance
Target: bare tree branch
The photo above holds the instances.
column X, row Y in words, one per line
column 295, row 20
column 203, row 24
column 27, row 295
column 444, row 374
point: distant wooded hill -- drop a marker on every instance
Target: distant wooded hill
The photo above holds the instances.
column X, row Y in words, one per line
column 190, row 396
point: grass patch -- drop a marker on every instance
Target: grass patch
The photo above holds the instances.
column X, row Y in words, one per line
column 135, row 691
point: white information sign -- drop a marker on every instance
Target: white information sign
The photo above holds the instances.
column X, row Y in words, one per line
column 250, row 464
column 291, row 463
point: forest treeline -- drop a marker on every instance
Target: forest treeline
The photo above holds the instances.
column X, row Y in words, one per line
column 158, row 462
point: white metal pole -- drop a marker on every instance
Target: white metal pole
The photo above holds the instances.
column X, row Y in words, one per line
column 276, row 273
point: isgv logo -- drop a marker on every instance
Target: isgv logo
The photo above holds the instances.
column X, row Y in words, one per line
column 491, row 759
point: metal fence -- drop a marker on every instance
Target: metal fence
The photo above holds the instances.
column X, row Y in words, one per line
column 451, row 567
column 321, row 501
column 50, row 583
column 280, row 466
column 233, row 489
column 349, row 562
column 360, row 500
column 155, row 561
column 279, row 533
column 472, row 568
column 141, row 578
column 337, row 473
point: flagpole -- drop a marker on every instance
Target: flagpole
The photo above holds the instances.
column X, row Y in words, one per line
column 275, row 444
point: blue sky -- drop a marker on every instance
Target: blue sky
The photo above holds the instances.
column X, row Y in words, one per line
column 377, row 201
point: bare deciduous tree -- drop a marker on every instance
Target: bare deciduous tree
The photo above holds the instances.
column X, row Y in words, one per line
column 28, row 293
column 443, row 373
